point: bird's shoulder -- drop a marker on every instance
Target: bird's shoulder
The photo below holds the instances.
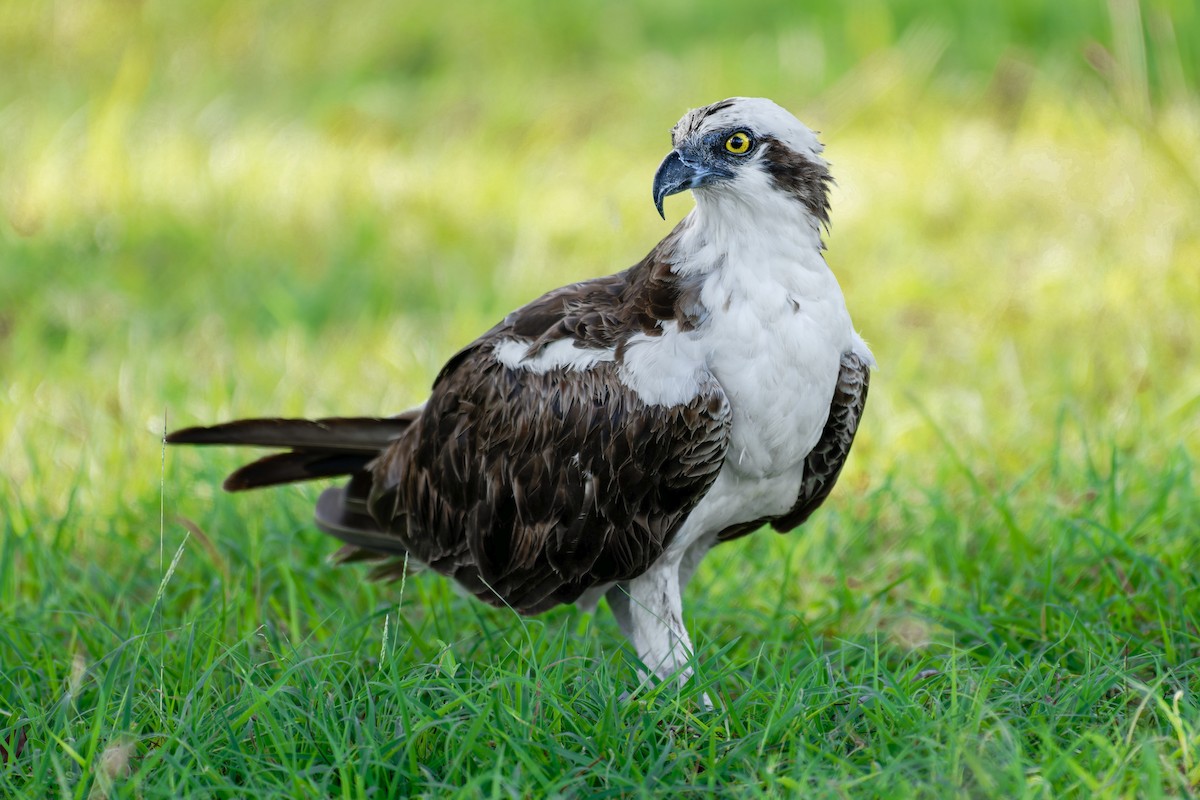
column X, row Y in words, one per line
column 533, row 478
column 598, row 314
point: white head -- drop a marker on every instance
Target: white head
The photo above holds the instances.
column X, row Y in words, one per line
column 746, row 149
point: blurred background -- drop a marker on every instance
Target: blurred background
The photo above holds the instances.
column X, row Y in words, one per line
column 215, row 209
column 222, row 208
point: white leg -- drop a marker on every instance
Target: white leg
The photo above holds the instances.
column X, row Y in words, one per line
column 650, row 614
column 696, row 551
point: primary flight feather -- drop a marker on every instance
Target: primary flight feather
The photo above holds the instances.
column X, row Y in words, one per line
column 600, row 440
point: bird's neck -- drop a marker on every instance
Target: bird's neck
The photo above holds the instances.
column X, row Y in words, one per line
column 764, row 240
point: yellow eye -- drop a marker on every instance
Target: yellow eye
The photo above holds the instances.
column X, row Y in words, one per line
column 738, row 143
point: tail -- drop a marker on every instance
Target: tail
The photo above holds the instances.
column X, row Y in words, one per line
column 316, row 448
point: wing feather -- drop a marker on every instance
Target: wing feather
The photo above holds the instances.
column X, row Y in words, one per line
column 553, row 481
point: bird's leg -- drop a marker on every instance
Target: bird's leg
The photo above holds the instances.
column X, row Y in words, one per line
column 649, row 611
column 692, row 557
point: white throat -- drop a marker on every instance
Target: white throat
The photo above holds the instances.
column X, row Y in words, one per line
column 754, row 226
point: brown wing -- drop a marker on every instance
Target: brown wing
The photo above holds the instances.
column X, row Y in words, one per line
column 824, row 464
column 530, row 488
column 527, row 488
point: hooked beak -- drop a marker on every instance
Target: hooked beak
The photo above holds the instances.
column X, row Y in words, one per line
column 679, row 172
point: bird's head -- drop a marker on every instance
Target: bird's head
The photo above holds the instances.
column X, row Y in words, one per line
column 744, row 148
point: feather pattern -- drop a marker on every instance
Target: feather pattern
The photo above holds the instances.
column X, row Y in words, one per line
column 530, row 486
column 602, row 438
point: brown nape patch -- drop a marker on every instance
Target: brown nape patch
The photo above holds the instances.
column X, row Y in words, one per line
column 805, row 180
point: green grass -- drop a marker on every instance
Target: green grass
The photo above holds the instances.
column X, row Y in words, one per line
column 219, row 209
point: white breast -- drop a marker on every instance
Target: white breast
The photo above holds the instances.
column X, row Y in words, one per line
column 773, row 329
column 773, row 337
column 775, row 341
column 776, row 351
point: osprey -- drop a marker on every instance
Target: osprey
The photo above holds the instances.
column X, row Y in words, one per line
column 600, row 440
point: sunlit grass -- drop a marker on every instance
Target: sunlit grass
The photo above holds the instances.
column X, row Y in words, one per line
column 999, row 600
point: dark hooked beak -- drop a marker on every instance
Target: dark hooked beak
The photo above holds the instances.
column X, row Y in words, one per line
column 679, row 172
